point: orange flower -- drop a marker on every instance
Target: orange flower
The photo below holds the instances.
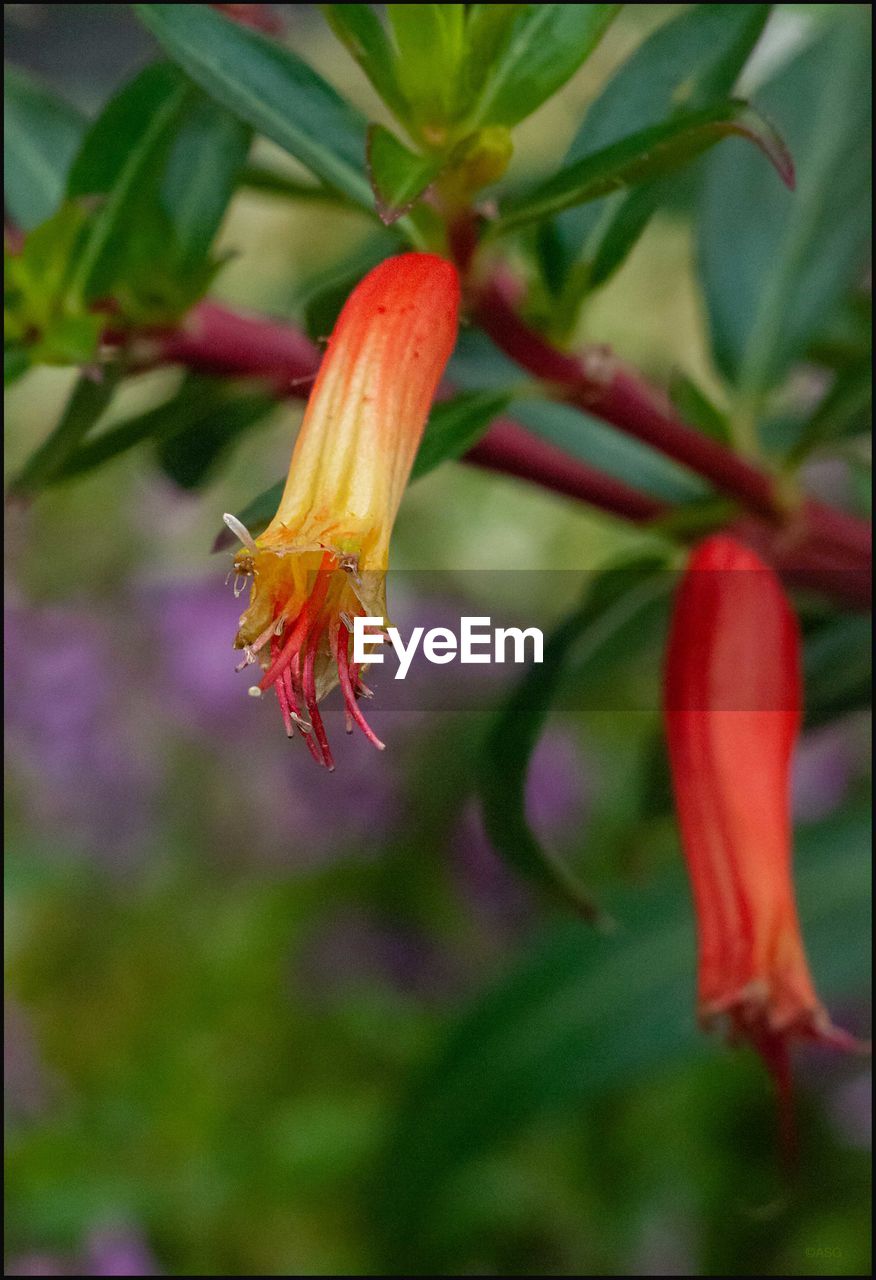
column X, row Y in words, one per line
column 732, row 708
column 322, row 559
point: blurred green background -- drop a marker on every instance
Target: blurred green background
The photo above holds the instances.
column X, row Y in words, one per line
column 263, row 1021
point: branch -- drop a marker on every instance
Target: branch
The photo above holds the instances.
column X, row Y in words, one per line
column 813, row 545
column 604, row 387
column 816, row 546
column 509, row 448
column 218, row 341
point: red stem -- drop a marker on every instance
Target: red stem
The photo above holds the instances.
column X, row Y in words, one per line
column 816, row 546
column 509, row 448
column 601, row 385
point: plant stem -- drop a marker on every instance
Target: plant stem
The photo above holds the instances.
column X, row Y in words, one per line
column 601, row 385
column 812, row 545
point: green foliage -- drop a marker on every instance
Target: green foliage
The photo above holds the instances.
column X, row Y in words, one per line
column 398, row 176
column 775, row 265
column 610, row 618
column 45, row 316
column 644, row 156
column 533, row 49
column 88, row 401
column 583, row 1015
column 688, row 63
column 41, row 135
column 363, row 34
column 269, row 88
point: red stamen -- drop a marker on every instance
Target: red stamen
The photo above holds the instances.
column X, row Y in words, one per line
column 282, row 697
column 293, row 692
column 308, row 613
column 339, row 647
column 309, row 687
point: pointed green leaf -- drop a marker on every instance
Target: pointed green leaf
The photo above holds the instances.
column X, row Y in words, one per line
column 120, row 160
column 454, row 426
column 691, row 61
column 41, row 134
column 268, row 87
column 431, row 43
column 610, row 616
column 398, row 176
column 540, row 50
column 648, row 155
column 581, row 1015
column 358, row 27
column 774, row 266
column 205, row 162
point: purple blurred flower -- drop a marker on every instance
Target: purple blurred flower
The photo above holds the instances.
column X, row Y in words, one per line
column 115, row 1252
column 196, row 623
column 118, row 1252
column 70, row 717
column 40, row 1264
column 823, row 770
column 851, row 1109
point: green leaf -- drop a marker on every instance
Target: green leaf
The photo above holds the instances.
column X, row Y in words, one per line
column 120, row 160
column 199, row 411
column 41, row 133
column 647, row 155
column 609, row 617
column 689, row 62
column 41, row 309
column 358, row 27
column 581, row 1016
column 454, row 426
column 269, row 88
column 536, row 50
column 775, row 266
column 609, row 450
column 16, row 362
column 398, row 176
column 89, row 399
column 431, row 43
column 488, row 29
column 190, row 455
column 205, row 163
column 837, row 668
column 696, row 408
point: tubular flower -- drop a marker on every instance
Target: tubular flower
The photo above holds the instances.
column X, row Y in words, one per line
column 322, row 559
column 732, row 708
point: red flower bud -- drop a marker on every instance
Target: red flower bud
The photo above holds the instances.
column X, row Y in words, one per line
column 732, row 708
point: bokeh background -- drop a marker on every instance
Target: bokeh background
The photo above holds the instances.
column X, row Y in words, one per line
column 266, row 1021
